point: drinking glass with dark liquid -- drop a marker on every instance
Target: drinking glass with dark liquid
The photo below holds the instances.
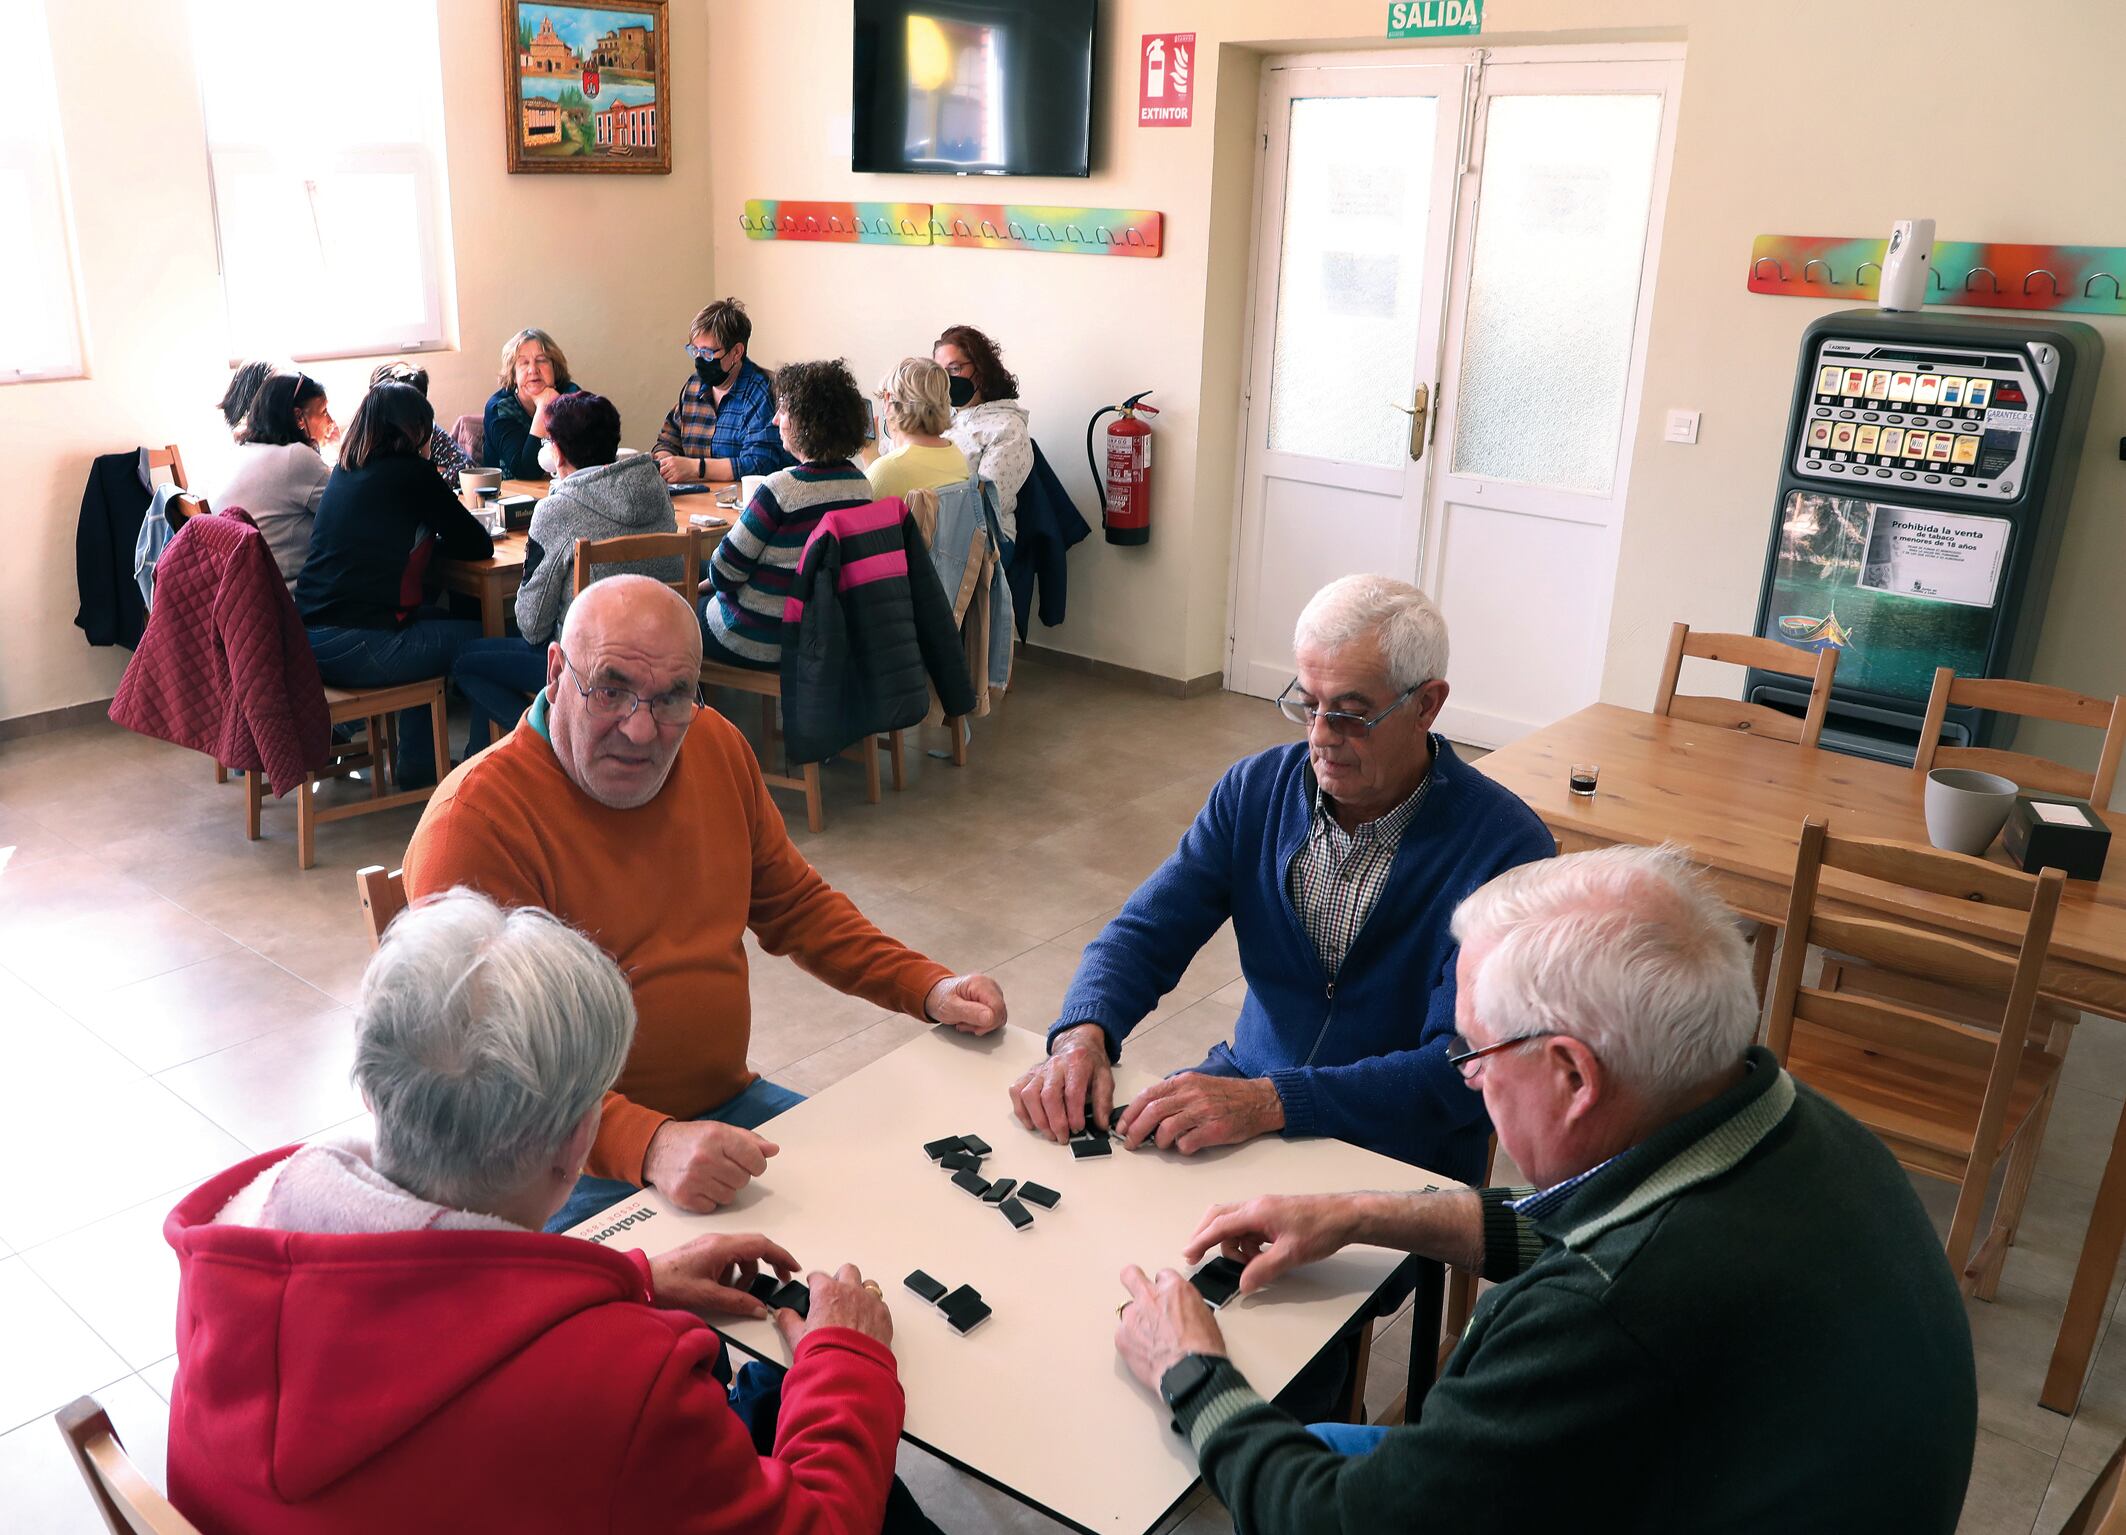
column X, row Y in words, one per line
column 1582, row 778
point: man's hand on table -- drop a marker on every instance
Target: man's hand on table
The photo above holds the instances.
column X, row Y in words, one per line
column 1163, row 1320
column 700, row 1164
column 708, row 1275
column 973, row 1004
column 1192, row 1112
column 677, row 470
column 1074, row 1087
column 1275, row 1234
column 839, row 1300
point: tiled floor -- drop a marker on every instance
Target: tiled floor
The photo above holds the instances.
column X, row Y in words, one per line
column 173, row 998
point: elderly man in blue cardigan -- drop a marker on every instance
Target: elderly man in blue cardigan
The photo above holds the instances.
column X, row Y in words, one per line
column 1340, row 863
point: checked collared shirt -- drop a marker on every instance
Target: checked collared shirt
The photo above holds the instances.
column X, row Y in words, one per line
column 743, row 430
column 1338, row 876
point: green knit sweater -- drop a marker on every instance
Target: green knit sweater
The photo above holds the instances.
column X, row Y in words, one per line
column 1743, row 1323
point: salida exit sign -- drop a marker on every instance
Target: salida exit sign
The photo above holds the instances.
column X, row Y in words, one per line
column 1435, row 18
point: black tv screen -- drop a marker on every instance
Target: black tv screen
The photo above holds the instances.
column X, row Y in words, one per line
column 973, row 87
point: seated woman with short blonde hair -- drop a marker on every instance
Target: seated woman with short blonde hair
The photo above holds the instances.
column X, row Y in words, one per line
column 918, row 400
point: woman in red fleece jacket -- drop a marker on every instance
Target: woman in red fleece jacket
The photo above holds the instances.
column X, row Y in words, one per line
column 381, row 1337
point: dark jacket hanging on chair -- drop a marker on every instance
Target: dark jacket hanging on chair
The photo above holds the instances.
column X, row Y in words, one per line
column 116, row 497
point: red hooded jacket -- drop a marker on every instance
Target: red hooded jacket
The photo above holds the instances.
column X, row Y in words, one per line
column 455, row 1380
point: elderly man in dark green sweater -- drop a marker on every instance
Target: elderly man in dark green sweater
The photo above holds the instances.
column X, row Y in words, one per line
column 1725, row 1310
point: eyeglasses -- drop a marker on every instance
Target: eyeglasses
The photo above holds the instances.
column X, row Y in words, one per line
column 1460, row 1052
column 607, row 703
column 1341, row 721
column 703, row 351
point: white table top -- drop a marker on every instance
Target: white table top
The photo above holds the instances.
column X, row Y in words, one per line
column 1035, row 1399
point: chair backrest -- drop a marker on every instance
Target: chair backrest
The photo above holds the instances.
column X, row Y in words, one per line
column 182, row 507
column 2029, row 700
column 1987, row 974
column 129, row 1505
column 1766, row 656
column 169, row 458
column 383, row 896
column 684, row 546
column 2102, row 1511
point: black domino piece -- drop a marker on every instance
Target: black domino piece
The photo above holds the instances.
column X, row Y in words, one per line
column 959, row 1161
column 1218, row 1281
column 795, row 1296
column 922, row 1284
column 965, row 1309
column 1034, row 1193
column 972, row 1181
column 1019, row 1216
column 1084, row 1146
column 1000, row 1190
column 938, row 1150
column 975, row 1144
column 763, row 1288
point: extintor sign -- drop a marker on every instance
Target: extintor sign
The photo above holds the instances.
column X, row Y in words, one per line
column 1166, row 80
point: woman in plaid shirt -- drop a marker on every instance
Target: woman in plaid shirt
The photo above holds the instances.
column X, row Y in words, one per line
column 723, row 427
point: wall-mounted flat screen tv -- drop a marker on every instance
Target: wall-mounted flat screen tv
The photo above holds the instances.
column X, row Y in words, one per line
column 973, row 87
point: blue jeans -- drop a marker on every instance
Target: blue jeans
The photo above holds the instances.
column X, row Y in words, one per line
column 498, row 678
column 749, row 1111
column 1349, row 1438
column 369, row 658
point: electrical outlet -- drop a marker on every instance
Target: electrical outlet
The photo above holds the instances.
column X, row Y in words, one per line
column 1682, row 426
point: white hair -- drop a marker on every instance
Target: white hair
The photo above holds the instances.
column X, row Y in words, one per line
column 1627, row 950
column 1404, row 622
column 482, row 1038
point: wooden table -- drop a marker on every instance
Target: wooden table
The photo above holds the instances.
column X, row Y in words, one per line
column 1035, row 1401
column 1736, row 802
column 495, row 579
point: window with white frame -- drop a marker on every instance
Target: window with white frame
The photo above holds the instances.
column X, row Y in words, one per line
column 325, row 134
column 40, row 321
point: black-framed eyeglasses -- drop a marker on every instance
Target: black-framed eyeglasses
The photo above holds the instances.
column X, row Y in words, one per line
column 610, row 703
column 1342, row 721
column 1460, row 1052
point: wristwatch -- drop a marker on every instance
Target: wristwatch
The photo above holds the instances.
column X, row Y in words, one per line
column 1185, row 1380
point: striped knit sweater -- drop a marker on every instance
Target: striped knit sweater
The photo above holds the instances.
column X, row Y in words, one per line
column 755, row 567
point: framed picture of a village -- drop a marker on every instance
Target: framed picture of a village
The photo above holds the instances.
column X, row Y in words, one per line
column 587, row 87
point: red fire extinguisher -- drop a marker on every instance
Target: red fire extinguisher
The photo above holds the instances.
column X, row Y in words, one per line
column 1126, row 482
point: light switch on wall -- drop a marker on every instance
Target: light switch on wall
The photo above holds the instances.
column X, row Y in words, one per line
column 1682, row 426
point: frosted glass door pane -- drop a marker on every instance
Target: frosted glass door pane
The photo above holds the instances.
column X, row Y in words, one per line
column 1554, row 288
column 1350, row 276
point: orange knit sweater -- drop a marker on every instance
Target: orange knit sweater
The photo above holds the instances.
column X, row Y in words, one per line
column 668, row 890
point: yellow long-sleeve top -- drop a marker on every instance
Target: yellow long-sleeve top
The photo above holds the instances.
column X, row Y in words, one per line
column 668, row 890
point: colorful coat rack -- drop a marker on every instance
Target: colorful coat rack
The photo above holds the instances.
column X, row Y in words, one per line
column 2079, row 279
column 978, row 226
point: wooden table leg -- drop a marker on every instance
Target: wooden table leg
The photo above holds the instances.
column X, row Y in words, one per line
column 2092, row 1283
column 494, row 607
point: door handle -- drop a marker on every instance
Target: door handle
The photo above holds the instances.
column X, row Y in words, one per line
column 1417, row 410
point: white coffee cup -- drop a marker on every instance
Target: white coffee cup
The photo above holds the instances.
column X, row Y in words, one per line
column 1966, row 809
column 748, row 486
column 626, row 452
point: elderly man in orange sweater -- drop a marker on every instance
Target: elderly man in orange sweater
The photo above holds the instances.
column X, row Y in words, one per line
column 632, row 813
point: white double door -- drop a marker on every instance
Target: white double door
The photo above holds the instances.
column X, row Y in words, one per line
column 1452, row 274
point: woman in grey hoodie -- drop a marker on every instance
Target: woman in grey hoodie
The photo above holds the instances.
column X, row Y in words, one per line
column 595, row 494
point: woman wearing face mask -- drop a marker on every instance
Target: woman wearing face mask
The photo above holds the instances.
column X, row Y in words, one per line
column 918, row 409
column 534, row 374
column 723, row 427
column 988, row 423
column 280, row 473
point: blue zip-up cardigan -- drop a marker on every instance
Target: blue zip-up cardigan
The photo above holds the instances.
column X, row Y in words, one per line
column 1362, row 1056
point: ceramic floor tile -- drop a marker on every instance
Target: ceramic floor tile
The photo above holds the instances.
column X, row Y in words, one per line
column 796, row 1014
column 2008, row 1482
column 24, row 841
column 40, row 1489
column 44, row 1052
column 1046, row 902
column 122, row 1147
column 52, row 1354
column 119, row 1276
column 72, row 929
column 2055, row 1218
column 1182, row 1040
column 162, row 1376
column 2068, row 1487
column 2078, row 1136
column 2096, row 1057
column 961, row 940
column 2012, row 1340
column 278, row 1088
column 201, row 1008
column 2100, row 1417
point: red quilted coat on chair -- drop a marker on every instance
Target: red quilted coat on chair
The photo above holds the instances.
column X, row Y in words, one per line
column 225, row 666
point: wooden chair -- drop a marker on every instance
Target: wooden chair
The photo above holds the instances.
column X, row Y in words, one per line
column 1952, row 1099
column 383, row 896
column 1732, row 714
column 683, row 546
column 128, row 1504
column 169, row 458
column 2028, row 700
column 2102, row 1510
column 376, row 710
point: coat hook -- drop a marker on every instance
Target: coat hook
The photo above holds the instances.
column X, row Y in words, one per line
column 1936, row 281
column 1018, row 232
column 2116, row 293
column 1044, row 232
column 2041, row 272
column 1778, row 265
column 1860, row 279
column 1993, row 281
column 1135, row 238
column 989, row 231
column 959, row 227
column 1829, row 276
column 1107, row 236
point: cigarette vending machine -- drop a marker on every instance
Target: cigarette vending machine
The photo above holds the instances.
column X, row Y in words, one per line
column 1924, row 487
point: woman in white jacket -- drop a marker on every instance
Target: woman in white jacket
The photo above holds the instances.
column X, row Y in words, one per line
column 989, row 424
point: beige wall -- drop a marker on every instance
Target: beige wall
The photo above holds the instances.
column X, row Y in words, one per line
column 613, row 265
